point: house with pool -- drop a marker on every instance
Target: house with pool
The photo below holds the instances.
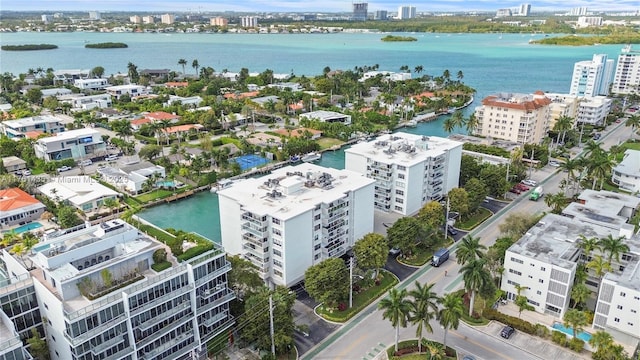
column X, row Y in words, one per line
column 132, row 178
column 18, row 208
column 81, row 192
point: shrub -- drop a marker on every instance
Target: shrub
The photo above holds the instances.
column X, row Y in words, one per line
column 542, row 331
column 342, row 306
column 559, row 338
column 516, row 323
column 575, row 344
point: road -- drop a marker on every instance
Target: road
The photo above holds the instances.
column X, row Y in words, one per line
column 368, row 333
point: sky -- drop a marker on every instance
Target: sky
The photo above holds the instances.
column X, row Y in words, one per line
column 306, row 6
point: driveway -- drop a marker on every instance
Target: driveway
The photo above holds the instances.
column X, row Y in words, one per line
column 303, row 314
column 398, row 269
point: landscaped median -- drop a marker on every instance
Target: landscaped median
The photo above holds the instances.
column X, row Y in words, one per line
column 474, row 220
column 360, row 299
column 409, row 350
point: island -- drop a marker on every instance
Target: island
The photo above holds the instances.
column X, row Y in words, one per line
column 106, row 45
column 28, row 47
column 577, row 40
column 398, row 38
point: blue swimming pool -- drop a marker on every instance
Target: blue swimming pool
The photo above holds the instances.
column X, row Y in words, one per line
column 40, row 248
column 584, row 336
column 27, row 227
column 250, row 161
column 166, row 184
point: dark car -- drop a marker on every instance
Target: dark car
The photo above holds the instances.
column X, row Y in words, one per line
column 515, row 191
column 468, row 357
column 394, row 252
column 452, row 231
column 507, row 331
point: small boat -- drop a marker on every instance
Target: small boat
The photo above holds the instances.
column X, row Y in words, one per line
column 412, row 123
column 311, row 157
column 222, row 184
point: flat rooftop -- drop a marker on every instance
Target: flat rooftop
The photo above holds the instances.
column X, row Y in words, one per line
column 404, row 148
column 630, row 164
column 292, row 190
column 68, row 135
column 31, row 121
column 554, row 239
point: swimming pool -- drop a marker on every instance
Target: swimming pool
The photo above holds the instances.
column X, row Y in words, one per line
column 166, row 184
column 250, row 161
column 584, row 336
column 27, row 227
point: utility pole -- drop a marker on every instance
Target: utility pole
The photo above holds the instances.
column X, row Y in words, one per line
column 533, row 150
column 273, row 344
column 350, row 282
column 446, row 221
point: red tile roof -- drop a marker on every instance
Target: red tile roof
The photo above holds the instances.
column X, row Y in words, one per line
column 183, row 128
column 14, row 198
column 176, row 84
column 34, row 134
column 140, row 121
column 161, row 115
column 243, row 95
column 535, row 103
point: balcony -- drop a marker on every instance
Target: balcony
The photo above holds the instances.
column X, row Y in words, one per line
column 95, row 331
column 260, row 242
column 250, row 248
column 260, row 232
column 253, row 220
column 96, row 350
column 140, row 343
column 165, row 315
column 120, row 354
column 214, row 319
column 163, row 298
column 168, row 345
column 230, row 295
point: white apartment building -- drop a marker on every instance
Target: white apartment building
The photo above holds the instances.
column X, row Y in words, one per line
column 627, row 173
column 519, row 118
column 94, row 15
column 627, row 77
column 102, row 299
column 592, row 78
column 69, row 76
column 131, row 90
column 593, row 110
column 619, row 303
column 82, row 102
column 524, row 9
column 248, row 21
column 294, row 218
column 91, row 84
column 73, row 144
column 406, row 12
column 148, row 19
column 503, row 13
column 135, row 19
column 18, row 128
column 562, row 105
column 586, row 21
column 410, row 170
column 327, row 116
column 168, row 19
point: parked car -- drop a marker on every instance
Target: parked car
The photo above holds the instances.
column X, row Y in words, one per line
column 468, row 357
column 530, row 182
column 111, row 158
column 452, row 231
column 596, row 136
column 63, row 168
column 85, row 162
column 26, row 172
column 394, row 252
column 507, row 331
column 515, row 190
column 557, row 164
column 521, row 187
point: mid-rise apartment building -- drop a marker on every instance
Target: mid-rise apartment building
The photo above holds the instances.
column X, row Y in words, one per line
column 294, row 218
column 360, row 11
column 592, row 78
column 593, row 110
column 91, row 84
column 19, row 128
column 135, row 19
column 249, row 21
column 102, row 299
column 218, row 21
column 586, row 21
column 627, row 77
column 131, row 90
column 627, row 173
column 562, row 105
column 168, row 19
column 524, row 9
column 381, row 15
column 519, row 118
column 409, row 170
column 406, row 12
column 150, row 19
column 77, row 144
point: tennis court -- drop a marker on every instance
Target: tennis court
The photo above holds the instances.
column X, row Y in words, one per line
column 250, row 161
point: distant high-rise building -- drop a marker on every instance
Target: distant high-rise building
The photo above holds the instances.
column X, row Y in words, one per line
column 218, row 21
column 168, row 19
column 586, row 21
column 503, row 13
column 360, row 11
column 381, row 15
column 249, row 21
column 135, row 19
column 578, row 11
column 592, row 78
column 47, row 18
column 148, row 20
column 524, row 10
column 94, row 15
column 406, row 12
column 627, row 77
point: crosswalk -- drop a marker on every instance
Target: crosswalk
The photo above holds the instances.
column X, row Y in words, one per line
column 375, row 352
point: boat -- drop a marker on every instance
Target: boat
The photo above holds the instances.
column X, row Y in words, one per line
column 311, row 157
column 222, row 184
column 412, row 123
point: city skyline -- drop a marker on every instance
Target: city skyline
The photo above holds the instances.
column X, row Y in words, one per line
column 304, row 6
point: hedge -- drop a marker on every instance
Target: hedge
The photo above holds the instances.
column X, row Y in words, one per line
column 513, row 321
column 559, row 338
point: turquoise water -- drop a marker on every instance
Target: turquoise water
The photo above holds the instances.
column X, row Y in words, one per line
column 27, row 227
column 584, row 336
column 41, row 248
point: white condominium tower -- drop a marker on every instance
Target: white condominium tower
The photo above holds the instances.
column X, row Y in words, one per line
column 627, row 77
column 410, row 170
column 592, row 78
column 294, row 218
column 519, row 118
column 406, row 12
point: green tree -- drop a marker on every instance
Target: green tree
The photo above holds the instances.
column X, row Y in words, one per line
column 183, row 63
column 150, row 151
column 562, row 125
column 579, row 294
column 432, row 214
column 243, row 277
column 38, row 346
column 396, row 307
column 436, row 351
column 521, row 301
column 256, row 318
column 599, row 265
column 556, row 202
column 575, row 319
column 34, row 95
column 516, row 225
column 371, row 252
column 459, row 201
column 424, row 308
column 469, row 249
column 195, row 64
column 450, row 313
column 132, row 72
column 477, row 191
column 405, row 233
column 613, row 247
column 97, row 71
column 588, row 245
column 51, row 103
column 475, row 276
column 68, row 217
column 328, row 281
column 634, row 122
column 601, row 341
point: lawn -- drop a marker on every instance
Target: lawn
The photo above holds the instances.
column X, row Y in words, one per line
column 474, row 220
column 361, row 299
column 631, row 145
column 154, row 195
column 327, row 143
column 410, row 348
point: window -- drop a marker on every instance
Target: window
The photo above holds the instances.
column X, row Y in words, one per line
column 623, row 294
column 317, row 247
column 532, row 264
column 619, row 307
column 634, row 311
column 275, row 221
column 541, row 281
column 398, row 208
column 276, row 232
column 539, row 292
column 277, row 253
column 317, row 227
column 401, row 168
column 517, row 260
column 399, row 192
column 630, row 323
column 400, row 176
column 515, row 272
column 616, row 319
column 399, row 200
column 543, row 268
column 317, row 217
column 316, row 257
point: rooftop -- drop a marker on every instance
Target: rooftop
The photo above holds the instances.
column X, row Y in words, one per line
column 517, row 101
column 69, row 135
column 31, row 121
column 293, row 190
column 630, row 164
column 554, row 240
column 629, row 278
column 404, row 148
column 323, row 115
column 15, row 198
column 77, row 190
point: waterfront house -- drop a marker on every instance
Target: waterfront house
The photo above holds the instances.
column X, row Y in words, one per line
column 77, row 144
column 19, row 128
column 91, row 84
column 69, row 76
column 132, row 178
column 327, row 117
column 190, row 101
column 17, row 207
column 131, row 90
column 82, row 192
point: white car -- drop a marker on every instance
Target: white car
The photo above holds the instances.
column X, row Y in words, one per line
column 529, row 182
column 554, row 163
column 63, row 168
column 26, row 172
column 85, row 162
column 111, row 158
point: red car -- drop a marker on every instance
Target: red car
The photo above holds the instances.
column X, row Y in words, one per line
column 522, row 187
column 514, row 190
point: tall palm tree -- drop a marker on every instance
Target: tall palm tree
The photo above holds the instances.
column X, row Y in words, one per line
column 450, row 313
column 575, row 319
column 634, row 122
column 579, row 294
column 475, row 276
column 182, row 62
column 556, row 202
column 446, row 75
column 469, row 249
column 132, row 71
column 562, row 125
column 613, row 246
column 599, row 167
column 600, row 267
column 396, row 307
column 418, row 69
column 471, row 124
column 449, row 124
column 424, row 308
column 587, row 245
column 571, row 166
column 460, row 75
column 601, row 340
column 195, row 65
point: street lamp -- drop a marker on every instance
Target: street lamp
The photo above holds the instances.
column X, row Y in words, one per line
column 446, row 220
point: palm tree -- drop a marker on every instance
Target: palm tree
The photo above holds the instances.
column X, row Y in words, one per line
column 195, row 65
column 634, row 122
column 469, row 249
column 182, row 62
column 556, row 202
column 571, row 166
column 450, row 313
column 563, row 124
column 396, row 307
column 460, row 75
column 613, row 246
column 601, row 340
column 579, row 294
column 436, row 351
column 575, row 319
column 446, row 75
column 132, row 71
column 424, row 308
column 599, row 266
column 588, row 245
column 418, row 69
column 448, row 125
column 475, row 276
column 599, row 167
column 471, row 123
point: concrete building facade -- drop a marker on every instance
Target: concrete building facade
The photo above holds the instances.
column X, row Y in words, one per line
column 592, row 78
column 410, row 170
column 406, row 12
column 593, row 110
column 627, row 76
column 18, row 128
column 627, row 173
column 73, row 144
column 360, row 11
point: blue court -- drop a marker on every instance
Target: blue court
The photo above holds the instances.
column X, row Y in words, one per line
column 250, row 161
